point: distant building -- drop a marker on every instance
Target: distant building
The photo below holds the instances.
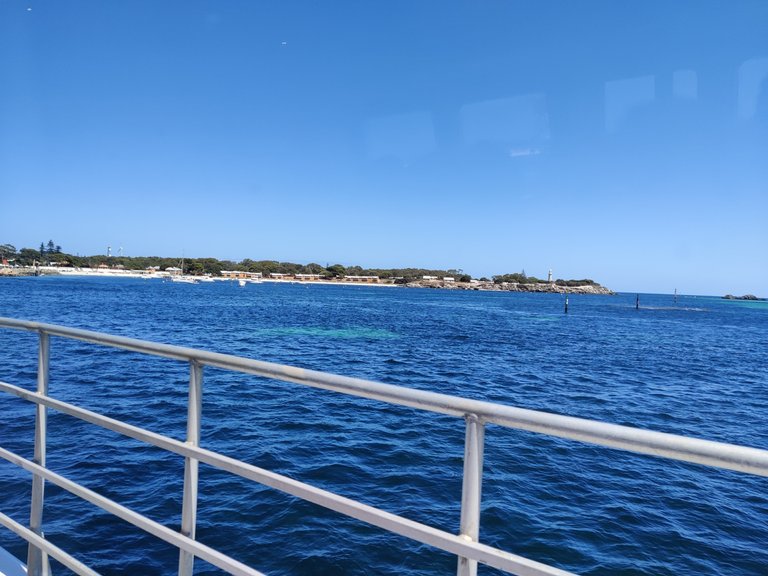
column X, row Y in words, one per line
column 305, row 277
column 449, row 279
column 280, row 276
column 429, row 277
column 240, row 275
column 365, row 279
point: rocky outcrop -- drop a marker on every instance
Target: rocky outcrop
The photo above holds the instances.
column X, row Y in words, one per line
column 745, row 297
column 19, row 271
column 545, row 287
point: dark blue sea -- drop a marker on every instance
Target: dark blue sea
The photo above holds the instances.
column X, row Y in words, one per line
column 697, row 367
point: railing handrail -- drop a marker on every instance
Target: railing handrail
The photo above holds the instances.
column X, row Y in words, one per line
column 476, row 413
column 392, row 522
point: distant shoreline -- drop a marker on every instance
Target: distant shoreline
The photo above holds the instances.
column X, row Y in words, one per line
column 475, row 285
column 52, row 260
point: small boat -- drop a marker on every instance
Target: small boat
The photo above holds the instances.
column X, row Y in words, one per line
column 241, row 282
column 184, row 279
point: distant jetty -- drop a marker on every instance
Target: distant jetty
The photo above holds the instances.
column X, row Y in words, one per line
column 19, row 271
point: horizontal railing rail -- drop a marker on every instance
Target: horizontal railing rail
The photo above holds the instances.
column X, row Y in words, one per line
column 54, row 551
column 156, row 529
column 476, row 414
column 403, row 526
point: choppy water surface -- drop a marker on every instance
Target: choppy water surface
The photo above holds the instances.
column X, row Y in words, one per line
column 695, row 367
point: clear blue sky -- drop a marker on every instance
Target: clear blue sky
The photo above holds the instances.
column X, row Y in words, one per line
column 621, row 141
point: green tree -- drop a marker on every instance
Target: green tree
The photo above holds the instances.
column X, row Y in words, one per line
column 211, row 266
column 313, row 268
column 7, row 251
column 27, row 256
column 337, row 270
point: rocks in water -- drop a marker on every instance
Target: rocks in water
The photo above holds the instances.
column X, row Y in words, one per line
column 549, row 287
column 745, row 297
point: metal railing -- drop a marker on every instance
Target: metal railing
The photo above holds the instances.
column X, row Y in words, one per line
column 465, row 545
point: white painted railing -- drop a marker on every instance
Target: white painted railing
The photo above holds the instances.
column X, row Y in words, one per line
column 465, row 545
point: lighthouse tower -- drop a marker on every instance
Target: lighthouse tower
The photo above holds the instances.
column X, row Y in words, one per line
column 549, row 276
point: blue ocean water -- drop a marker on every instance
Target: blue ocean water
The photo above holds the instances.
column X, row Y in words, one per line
column 696, row 367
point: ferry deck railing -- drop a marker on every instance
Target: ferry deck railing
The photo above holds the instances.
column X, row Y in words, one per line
column 465, row 545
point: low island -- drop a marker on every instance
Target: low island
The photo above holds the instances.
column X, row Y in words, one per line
column 50, row 259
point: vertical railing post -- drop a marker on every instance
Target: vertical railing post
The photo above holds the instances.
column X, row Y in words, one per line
column 189, row 504
column 471, row 490
column 37, row 560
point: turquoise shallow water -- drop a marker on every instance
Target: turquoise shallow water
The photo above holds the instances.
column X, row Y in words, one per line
column 694, row 367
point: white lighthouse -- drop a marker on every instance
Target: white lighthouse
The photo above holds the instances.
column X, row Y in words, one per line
column 549, row 276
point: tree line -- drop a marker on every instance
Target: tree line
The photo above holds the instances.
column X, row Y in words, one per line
column 52, row 254
column 522, row 278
